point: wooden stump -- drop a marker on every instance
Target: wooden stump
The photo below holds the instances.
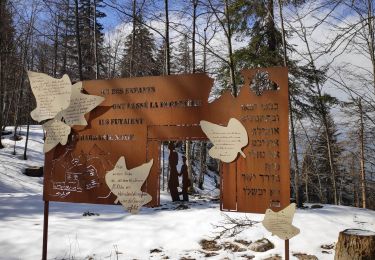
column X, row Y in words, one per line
column 355, row 244
column 34, row 171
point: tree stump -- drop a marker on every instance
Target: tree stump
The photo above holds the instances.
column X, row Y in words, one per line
column 355, row 244
column 34, row 171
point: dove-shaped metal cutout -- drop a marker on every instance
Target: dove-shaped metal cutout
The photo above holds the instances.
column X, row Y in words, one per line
column 57, row 99
column 280, row 223
column 227, row 140
column 80, row 104
column 57, row 132
column 52, row 95
column 126, row 184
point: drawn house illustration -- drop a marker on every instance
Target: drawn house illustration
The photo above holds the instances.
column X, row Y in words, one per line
column 81, row 172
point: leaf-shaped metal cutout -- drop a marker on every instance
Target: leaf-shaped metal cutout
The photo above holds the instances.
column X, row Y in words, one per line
column 280, row 223
column 227, row 140
column 126, row 184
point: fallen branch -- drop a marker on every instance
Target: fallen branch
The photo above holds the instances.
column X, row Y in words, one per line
column 230, row 227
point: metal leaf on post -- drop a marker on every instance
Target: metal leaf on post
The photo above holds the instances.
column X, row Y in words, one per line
column 280, row 223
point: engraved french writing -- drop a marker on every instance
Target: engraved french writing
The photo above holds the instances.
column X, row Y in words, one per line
column 57, row 132
column 80, row 104
column 52, row 95
column 126, row 184
column 227, row 140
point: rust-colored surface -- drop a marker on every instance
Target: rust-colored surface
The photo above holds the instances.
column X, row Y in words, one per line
column 138, row 113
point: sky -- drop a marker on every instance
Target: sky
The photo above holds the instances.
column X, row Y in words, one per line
column 322, row 34
column 115, row 21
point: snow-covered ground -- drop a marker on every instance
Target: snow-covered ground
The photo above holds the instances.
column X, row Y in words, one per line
column 158, row 233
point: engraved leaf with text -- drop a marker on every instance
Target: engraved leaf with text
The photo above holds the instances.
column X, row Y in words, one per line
column 227, row 140
column 57, row 132
column 280, row 223
column 80, row 104
column 52, row 95
column 126, row 184
column 57, row 99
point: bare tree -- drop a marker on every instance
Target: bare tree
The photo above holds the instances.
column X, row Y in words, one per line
column 362, row 153
column 291, row 118
column 223, row 17
column 166, row 42
column 322, row 108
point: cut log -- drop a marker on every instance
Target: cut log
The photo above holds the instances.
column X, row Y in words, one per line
column 34, row 171
column 355, row 244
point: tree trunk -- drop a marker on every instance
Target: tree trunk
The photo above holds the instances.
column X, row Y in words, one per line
column 305, row 172
column 167, row 49
column 65, row 41
column 329, row 147
column 17, row 110
column 323, row 113
column 270, row 27
column 6, row 110
column 1, row 97
column 17, row 106
column 203, row 166
column 56, row 45
column 78, row 39
column 195, row 4
column 230, row 50
column 371, row 40
column 353, row 175
column 291, row 119
column 205, row 51
column 162, row 165
column 362, row 151
column 28, row 127
column 95, row 45
column 355, row 244
column 26, row 142
column 189, row 164
column 131, row 65
column 2, row 75
column 218, row 169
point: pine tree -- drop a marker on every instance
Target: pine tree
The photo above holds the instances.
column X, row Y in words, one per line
column 255, row 20
column 82, row 39
column 160, row 63
column 91, row 33
column 69, row 53
column 143, row 50
column 183, row 56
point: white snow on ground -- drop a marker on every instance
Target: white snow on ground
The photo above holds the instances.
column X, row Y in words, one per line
column 11, row 166
column 175, row 232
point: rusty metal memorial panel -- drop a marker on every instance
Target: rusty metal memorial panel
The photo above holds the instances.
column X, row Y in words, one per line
column 138, row 113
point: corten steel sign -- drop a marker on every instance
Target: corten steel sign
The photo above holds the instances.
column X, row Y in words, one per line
column 138, row 113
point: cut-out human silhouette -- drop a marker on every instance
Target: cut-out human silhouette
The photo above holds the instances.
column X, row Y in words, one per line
column 185, row 180
column 173, row 174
